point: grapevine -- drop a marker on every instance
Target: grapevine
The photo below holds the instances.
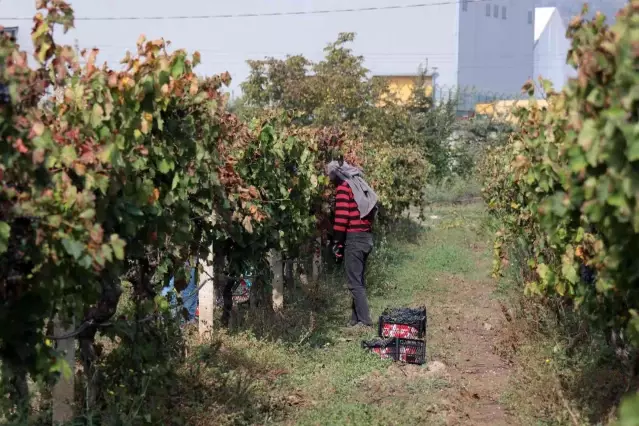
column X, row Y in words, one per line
column 567, row 183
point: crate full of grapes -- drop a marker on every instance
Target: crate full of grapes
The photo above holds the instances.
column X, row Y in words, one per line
column 403, row 350
column 405, row 323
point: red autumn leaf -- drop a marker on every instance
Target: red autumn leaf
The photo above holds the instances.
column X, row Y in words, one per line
column 155, row 196
column 20, row 146
column 97, row 234
column 113, row 79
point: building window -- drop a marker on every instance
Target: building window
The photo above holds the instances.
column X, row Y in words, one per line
column 496, row 11
column 465, row 5
column 504, row 14
column 12, row 31
column 5, row 97
column 530, row 17
column 488, row 10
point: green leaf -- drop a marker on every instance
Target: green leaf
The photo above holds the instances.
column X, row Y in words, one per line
column 588, row 134
column 61, row 366
column 569, row 272
column 560, row 287
column 305, row 155
column 633, row 149
column 164, row 167
column 617, row 200
column 176, row 181
column 163, row 78
column 97, row 113
column 73, row 247
column 5, row 232
column 118, row 244
column 547, row 86
column 134, row 210
column 88, row 214
column 578, row 162
column 104, row 133
column 120, row 141
column 68, row 155
column 106, row 152
column 54, row 220
column 178, row 67
column 86, row 261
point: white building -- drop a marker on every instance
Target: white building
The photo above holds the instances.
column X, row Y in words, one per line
column 486, row 45
column 494, row 46
column 551, row 47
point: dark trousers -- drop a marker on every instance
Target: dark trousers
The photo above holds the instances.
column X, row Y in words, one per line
column 358, row 247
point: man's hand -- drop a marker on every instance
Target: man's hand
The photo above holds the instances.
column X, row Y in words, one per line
column 338, row 252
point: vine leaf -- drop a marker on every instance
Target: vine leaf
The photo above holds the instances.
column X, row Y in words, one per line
column 5, row 231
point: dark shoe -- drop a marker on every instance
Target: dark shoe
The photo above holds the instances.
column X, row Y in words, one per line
column 363, row 325
column 352, row 323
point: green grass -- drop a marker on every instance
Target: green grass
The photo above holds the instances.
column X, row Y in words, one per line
column 453, row 190
column 447, row 258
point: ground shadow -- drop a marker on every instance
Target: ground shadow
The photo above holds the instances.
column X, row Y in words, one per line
column 602, row 382
column 220, row 384
column 310, row 315
column 215, row 384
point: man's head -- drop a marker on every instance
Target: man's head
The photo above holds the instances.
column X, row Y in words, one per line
column 339, row 171
column 331, row 171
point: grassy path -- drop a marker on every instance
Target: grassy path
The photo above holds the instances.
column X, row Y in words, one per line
column 329, row 380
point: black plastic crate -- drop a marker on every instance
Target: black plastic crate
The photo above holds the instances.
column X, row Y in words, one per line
column 404, row 350
column 403, row 323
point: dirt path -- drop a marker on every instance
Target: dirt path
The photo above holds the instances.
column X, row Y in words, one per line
column 479, row 376
column 464, row 320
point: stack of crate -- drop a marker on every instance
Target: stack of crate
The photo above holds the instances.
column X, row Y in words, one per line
column 401, row 336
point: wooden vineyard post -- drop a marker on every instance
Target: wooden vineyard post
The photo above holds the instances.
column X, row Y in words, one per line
column 63, row 391
column 277, row 269
column 289, row 273
column 317, row 259
column 300, row 270
column 206, row 295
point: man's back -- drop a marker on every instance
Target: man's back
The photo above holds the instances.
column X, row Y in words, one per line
column 347, row 216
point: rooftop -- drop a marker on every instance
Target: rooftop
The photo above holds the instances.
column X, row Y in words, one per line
column 542, row 18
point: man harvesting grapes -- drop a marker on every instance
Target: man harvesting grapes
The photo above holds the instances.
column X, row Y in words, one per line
column 355, row 209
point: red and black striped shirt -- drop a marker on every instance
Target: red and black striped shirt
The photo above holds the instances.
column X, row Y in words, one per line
column 347, row 217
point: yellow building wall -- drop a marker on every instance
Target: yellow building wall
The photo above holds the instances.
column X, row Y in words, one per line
column 503, row 110
column 401, row 87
